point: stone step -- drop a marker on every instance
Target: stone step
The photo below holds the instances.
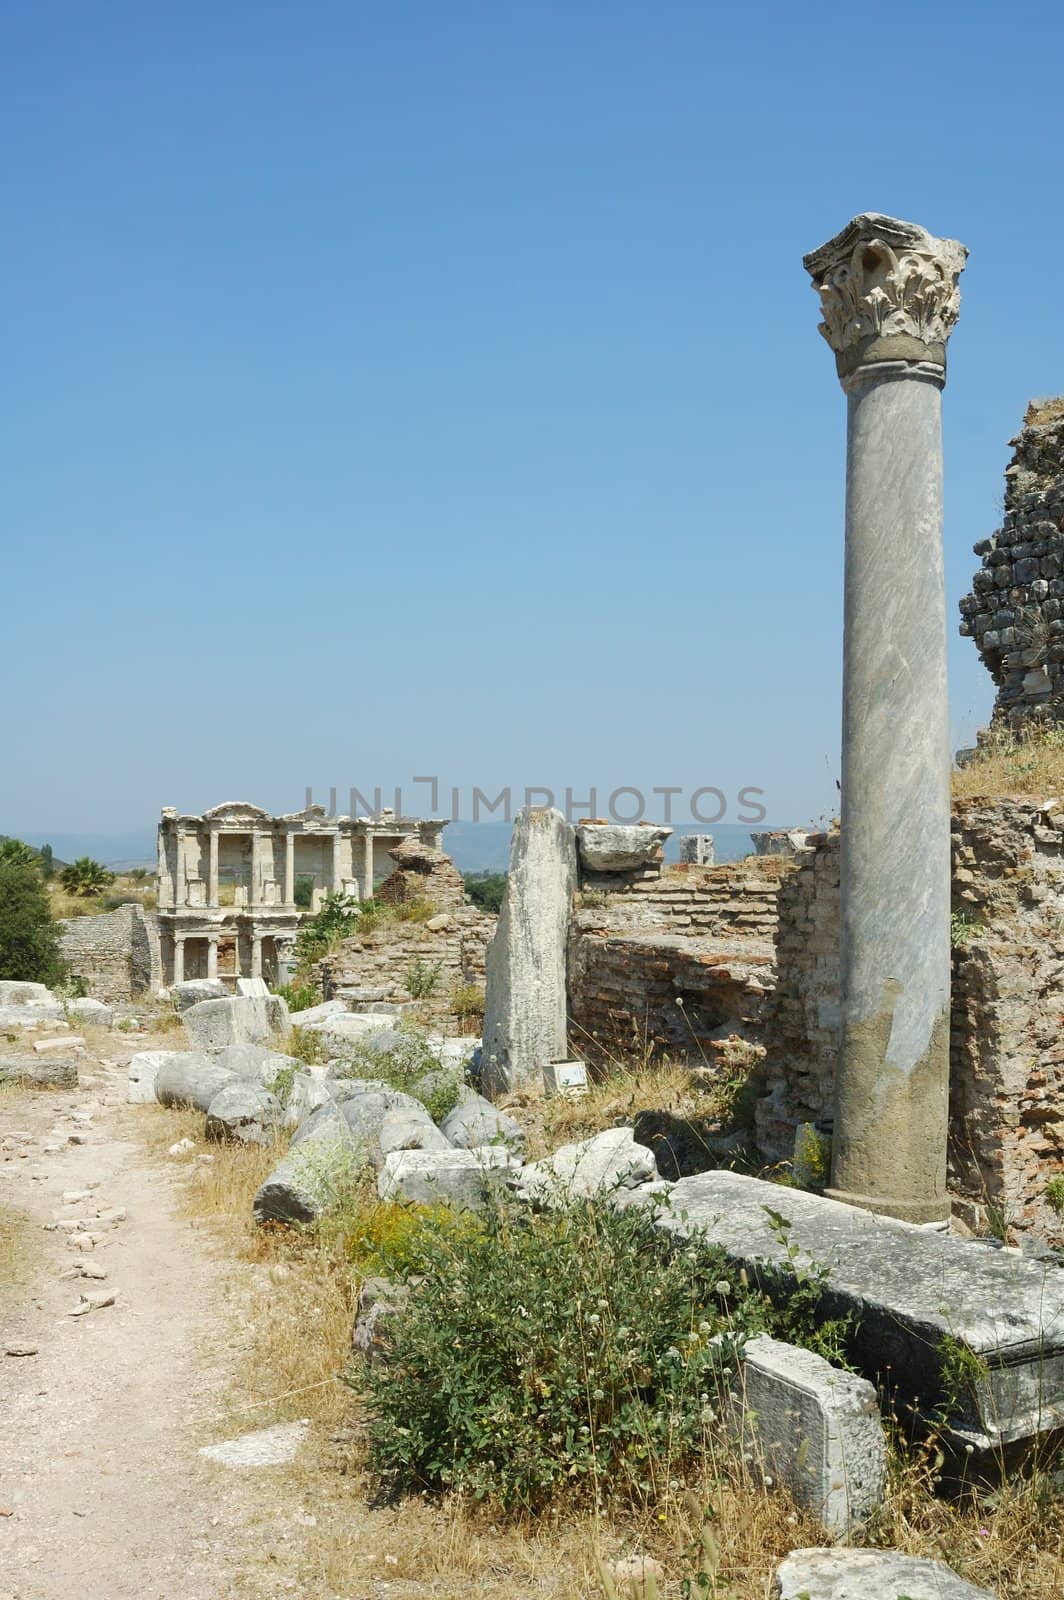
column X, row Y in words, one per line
column 947, row 1323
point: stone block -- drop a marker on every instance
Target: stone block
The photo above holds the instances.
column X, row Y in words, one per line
column 842, row 1574
column 44, row 1072
column 603, row 1164
column 13, row 992
column 697, row 849
column 814, row 1430
column 213, row 1024
column 187, row 1078
column 619, row 847
column 253, row 988
column 308, row 1180
column 919, row 1295
column 459, row 1178
column 244, row 1112
column 88, row 1011
column 193, row 990
column 474, row 1122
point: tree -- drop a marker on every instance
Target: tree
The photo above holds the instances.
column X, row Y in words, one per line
column 86, row 876
column 47, row 863
column 29, row 938
column 485, row 889
column 15, row 850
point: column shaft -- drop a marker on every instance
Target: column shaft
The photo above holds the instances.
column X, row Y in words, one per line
column 212, row 870
column 892, row 1086
column 289, row 868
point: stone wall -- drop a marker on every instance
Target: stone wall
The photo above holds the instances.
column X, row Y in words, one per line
column 116, row 953
column 802, row 1015
column 672, row 961
column 1015, row 612
column 1007, row 1051
column 377, row 964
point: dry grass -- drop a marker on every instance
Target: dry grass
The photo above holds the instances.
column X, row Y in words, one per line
column 1027, row 763
column 298, row 1319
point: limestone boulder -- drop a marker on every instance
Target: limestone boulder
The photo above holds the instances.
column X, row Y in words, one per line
column 244, row 1112
column 193, row 990
column 31, row 1015
column 841, row 1573
column 406, row 1129
column 380, row 1301
column 88, row 1011
column 188, row 1078
column 255, row 1062
column 619, row 847
column 315, row 1014
column 602, row 1165
column 525, row 1001
column 13, row 992
column 43, row 1072
column 463, row 1179
column 474, row 1121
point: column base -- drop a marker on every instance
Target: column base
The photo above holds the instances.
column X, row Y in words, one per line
column 920, row 1211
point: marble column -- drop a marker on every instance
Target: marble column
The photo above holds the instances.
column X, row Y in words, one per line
column 212, row 869
column 337, row 870
column 256, row 955
column 212, row 957
column 889, row 300
column 289, row 868
column 253, row 876
column 179, row 958
column 367, row 867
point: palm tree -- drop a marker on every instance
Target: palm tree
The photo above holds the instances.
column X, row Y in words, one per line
column 86, row 876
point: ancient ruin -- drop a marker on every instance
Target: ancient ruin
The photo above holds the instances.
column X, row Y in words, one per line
column 889, row 297
column 1015, row 612
column 229, row 882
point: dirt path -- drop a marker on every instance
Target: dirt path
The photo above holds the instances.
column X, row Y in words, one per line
column 102, row 1490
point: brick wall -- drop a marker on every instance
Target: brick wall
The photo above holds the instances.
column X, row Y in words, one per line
column 1007, row 1024
column 671, row 961
column 117, row 953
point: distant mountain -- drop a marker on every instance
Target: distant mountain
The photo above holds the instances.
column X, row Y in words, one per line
column 119, row 851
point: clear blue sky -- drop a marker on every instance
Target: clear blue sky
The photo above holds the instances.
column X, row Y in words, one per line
column 435, row 388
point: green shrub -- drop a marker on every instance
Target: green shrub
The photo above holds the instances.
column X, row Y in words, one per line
column 421, row 979
column 963, row 928
column 298, row 996
column 571, row 1352
column 308, row 1047
column 86, row 876
column 303, row 893
column 320, row 934
column 29, row 937
column 1055, row 1193
column 467, row 1003
column 412, row 1067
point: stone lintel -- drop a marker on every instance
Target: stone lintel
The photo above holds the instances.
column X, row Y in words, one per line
column 917, row 1294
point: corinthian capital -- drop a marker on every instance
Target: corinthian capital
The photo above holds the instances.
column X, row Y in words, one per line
column 888, row 292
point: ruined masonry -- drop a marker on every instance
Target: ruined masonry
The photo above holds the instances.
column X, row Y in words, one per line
column 1015, row 612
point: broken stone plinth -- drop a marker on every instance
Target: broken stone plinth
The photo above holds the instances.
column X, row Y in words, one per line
column 193, row 990
column 837, row 1574
column 919, row 1297
column 525, row 1001
column 697, row 849
column 889, row 300
column 239, row 1019
column 43, row 1072
column 619, row 847
column 813, row 1429
column 463, row 1179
